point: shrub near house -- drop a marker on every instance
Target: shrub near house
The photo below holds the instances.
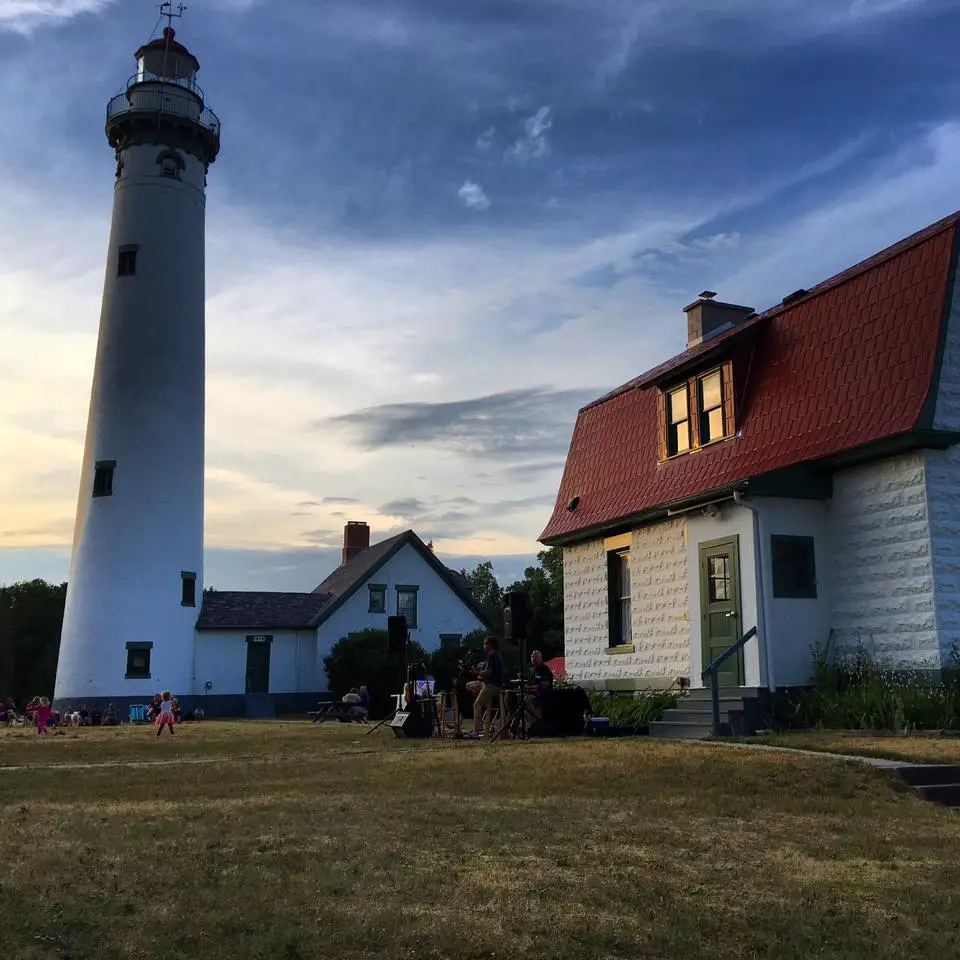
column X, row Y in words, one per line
column 858, row 693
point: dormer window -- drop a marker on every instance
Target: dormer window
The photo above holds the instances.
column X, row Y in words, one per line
column 710, row 403
column 697, row 412
column 678, row 421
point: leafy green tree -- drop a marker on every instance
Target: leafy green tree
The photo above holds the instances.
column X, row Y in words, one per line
column 543, row 585
column 487, row 594
column 31, row 617
column 364, row 657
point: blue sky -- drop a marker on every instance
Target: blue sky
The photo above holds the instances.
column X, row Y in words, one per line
column 437, row 228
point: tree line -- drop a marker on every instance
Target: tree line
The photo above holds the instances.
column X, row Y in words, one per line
column 31, row 615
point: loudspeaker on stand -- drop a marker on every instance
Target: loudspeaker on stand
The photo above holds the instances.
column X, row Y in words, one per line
column 397, row 634
column 515, row 615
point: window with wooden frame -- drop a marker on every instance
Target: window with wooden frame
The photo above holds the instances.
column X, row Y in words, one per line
column 697, row 412
column 618, row 586
column 407, row 605
column 678, row 421
column 377, row 597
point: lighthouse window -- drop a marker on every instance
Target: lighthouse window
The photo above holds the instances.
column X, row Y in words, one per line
column 138, row 661
column 188, row 589
column 171, row 164
column 127, row 262
column 103, row 478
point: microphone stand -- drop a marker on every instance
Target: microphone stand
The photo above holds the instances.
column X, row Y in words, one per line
column 404, row 672
column 520, row 713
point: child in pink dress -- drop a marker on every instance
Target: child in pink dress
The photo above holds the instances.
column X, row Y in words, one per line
column 41, row 714
column 165, row 716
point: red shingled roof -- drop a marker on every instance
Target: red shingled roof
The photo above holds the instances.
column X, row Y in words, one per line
column 849, row 364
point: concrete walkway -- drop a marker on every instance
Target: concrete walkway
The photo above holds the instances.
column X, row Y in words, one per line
column 881, row 762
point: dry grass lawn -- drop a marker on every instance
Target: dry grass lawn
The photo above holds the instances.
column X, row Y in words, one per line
column 915, row 748
column 291, row 841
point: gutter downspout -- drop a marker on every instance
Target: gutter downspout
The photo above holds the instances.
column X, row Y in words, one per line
column 767, row 665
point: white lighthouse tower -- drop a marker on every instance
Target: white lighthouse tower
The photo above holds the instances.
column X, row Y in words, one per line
column 136, row 573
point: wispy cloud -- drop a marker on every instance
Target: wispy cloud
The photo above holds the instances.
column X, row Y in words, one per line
column 22, row 16
column 473, row 196
column 534, row 143
column 512, row 425
column 487, row 140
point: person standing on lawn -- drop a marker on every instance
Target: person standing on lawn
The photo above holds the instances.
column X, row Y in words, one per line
column 165, row 715
column 41, row 714
column 488, row 687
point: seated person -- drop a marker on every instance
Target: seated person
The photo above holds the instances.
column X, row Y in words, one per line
column 96, row 717
column 541, row 681
column 487, row 688
column 177, row 714
column 353, row 707
column 111, row 718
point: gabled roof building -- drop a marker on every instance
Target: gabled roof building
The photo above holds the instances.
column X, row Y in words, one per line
column 794, row 470
column 260, row 653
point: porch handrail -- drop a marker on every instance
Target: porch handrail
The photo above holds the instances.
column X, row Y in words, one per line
column 713, row 670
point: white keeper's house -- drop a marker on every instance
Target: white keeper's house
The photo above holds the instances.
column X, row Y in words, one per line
column 260, row 653
column 795, row 470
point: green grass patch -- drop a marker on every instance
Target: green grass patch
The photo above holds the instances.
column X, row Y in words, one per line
column 294, row 840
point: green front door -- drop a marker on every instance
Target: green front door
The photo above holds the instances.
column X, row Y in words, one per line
column 720, row 621
column 258, row 664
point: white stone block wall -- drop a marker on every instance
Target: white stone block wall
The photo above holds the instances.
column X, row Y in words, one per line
column 585, row 614
column 882, row 570
column 942, row 475
column 659, row 608
column 660, row 605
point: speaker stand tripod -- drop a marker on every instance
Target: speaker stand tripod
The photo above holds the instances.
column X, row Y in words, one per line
column 404, row 672
column 517, row 721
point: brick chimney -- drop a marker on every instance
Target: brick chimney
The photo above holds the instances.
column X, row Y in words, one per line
column 707, row 317
column 356, row 539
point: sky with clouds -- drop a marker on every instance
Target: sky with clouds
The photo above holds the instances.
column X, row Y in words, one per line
column 435, row 229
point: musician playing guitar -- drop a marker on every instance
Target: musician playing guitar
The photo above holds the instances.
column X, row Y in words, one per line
column 487, row 687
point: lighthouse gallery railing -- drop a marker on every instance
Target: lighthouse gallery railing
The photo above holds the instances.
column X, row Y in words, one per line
column 146, row 94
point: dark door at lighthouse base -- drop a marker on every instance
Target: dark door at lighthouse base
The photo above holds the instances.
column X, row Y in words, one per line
column 720, row 621
column 258, row 664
